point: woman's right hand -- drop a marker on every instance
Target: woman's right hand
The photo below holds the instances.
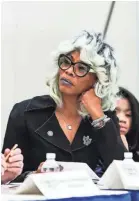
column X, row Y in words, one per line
column 3, row 164
column 39, row 168
column 13, row 166
column 123, row 137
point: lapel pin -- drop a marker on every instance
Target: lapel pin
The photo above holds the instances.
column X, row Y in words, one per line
column 50, row 133
column 86, row 140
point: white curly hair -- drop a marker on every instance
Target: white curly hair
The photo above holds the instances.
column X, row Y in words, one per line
column 100, row 56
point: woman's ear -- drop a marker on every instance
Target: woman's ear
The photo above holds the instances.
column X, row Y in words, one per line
column 95, row 80
column 94, row 85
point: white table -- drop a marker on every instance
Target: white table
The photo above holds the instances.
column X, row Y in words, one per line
column 9, row 190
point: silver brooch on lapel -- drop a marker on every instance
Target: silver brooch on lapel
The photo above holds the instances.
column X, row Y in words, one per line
column 86, row 140
column 50, row 133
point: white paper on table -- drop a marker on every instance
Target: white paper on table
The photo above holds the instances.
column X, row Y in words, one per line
column 59, row 184
column 7, row 197
column 129, row 175
column 113, row 192
column 116, row 177
column 79, row 166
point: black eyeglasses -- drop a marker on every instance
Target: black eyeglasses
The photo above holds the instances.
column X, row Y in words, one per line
column 79, row 68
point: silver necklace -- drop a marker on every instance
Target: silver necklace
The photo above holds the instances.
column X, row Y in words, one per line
column 68, row 126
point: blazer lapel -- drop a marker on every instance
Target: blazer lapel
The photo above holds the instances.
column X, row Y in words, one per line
column 51, row 131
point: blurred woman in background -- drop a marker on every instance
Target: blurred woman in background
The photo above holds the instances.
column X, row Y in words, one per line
column 127, row 111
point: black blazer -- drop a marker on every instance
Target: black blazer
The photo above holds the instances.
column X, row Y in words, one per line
column 34, row 127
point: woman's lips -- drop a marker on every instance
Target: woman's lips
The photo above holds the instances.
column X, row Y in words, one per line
column 123, row 129
column 66, row 82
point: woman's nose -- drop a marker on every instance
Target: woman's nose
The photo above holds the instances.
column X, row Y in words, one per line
column 121, row 118
column 70, row 71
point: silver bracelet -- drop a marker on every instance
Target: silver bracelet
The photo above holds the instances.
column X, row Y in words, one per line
column 99, row 123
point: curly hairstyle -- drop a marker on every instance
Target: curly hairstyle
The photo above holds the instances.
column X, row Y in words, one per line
column 100, row 56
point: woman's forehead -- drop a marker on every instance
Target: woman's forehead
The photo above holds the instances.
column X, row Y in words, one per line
column 123, row 103
column 75, row 56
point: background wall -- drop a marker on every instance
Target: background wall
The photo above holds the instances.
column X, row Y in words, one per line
column 32, row 30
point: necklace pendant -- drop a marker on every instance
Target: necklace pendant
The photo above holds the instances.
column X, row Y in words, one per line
column 69, row 127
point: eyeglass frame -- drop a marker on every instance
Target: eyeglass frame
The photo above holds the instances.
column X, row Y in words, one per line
column 73, row 65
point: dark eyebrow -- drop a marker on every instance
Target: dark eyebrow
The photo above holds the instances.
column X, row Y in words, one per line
column 128, row 110
column 70, row 56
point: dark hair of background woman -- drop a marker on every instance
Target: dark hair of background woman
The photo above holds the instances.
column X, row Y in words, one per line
column 133, row 134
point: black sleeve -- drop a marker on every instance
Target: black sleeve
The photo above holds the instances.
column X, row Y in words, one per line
column 16, row 133
column 109, row 143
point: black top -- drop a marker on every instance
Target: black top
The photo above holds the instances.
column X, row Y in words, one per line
column 34, row 127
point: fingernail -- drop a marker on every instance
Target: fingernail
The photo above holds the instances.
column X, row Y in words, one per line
column 10, row 160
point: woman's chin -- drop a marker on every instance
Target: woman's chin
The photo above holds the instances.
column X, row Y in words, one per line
column 123, row 133
column 66, row 90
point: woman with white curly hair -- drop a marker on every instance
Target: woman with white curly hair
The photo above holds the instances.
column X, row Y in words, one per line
column 77, row 120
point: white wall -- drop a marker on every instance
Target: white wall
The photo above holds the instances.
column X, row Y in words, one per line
column 32, row 30
column 123, row 35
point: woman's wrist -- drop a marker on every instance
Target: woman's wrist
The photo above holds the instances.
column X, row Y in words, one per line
column 6, row 178
column 100, row 122
column 97, row 114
